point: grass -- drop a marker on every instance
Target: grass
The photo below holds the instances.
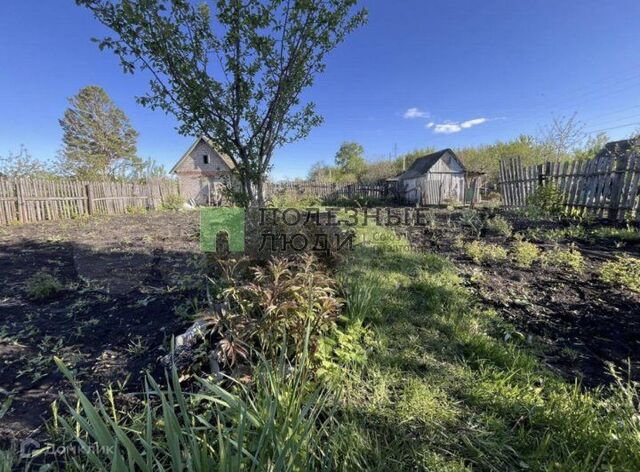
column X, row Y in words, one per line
column 443, row 390
column 417, row 376
column 279, row 423
column 42, row 286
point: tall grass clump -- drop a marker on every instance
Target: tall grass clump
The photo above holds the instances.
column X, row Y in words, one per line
column 278, row 422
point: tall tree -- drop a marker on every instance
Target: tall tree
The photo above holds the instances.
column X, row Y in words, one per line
column 350, row 159
column 98, row 140
column 235, row 76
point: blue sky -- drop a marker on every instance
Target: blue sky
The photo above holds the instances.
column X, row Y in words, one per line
column 439, row 73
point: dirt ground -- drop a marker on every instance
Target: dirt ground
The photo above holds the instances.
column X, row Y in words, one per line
column 126, row 280
column 582, row 324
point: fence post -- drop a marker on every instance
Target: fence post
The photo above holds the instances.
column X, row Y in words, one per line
column 541, row 174
column 22, row 217
column 90, row 202
column 616, row 187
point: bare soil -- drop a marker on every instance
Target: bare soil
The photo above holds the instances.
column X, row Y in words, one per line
column 124, row 280
column 582, row 324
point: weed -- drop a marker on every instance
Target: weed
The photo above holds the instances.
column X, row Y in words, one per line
column 458, row 243
column 499, row 225
column 525, row 253
column 471, row 219
column 173, row 202
column 564, row 259
column 628, row 234
column 136, row 210
column 481, row 252
column 546, row 201
column 137, row 346
column 42, row 286
column 623, row 271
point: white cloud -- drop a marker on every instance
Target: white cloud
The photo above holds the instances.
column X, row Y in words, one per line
column 415, row 113
column 447, row 128
column 450, row 127
column 431, row 124
column 470, row 123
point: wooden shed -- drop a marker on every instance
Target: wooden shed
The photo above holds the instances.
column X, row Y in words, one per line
column 434, row 179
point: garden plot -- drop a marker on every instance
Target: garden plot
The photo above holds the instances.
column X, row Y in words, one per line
column 565, row 287
column 101, row 294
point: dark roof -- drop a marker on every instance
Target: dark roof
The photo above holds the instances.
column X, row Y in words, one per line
column 619, row 147
column 422, row 164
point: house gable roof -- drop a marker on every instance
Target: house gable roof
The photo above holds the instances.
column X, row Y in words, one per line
column 423, row 164
column 226, row 159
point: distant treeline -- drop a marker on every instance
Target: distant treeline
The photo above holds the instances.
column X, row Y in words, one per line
column 483, row 158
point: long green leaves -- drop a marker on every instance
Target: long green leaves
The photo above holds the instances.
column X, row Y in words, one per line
column 278, row 423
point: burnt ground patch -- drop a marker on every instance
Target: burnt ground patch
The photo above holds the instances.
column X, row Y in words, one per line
column 126, row 280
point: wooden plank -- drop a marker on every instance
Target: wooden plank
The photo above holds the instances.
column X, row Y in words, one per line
column 617, row 185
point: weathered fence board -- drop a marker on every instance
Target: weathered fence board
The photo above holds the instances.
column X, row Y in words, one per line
column 33, row 200
column 607, row 186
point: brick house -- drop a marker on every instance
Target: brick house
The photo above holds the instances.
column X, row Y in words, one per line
column 203, row 173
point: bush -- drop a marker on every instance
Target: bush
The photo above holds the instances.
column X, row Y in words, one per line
column 546, row 201
column 623, row 271
column 481, row 252
column 173, row 202
column 525, row 253
column 499, row 225
column 564, row 259
column 42, row 286
column 272, row 309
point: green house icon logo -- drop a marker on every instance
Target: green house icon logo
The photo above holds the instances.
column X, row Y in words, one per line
column 213, row 221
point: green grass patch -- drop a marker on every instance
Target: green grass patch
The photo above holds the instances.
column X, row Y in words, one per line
column 445, row 389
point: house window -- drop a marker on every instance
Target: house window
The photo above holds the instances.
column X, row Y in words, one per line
column 205, row 158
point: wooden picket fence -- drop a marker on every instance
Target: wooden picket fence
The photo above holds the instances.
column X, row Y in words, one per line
column 332, row 190
column 604, row 187
column 33, row 200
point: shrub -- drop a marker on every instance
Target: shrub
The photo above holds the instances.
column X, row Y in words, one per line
column 564, row 259
column 546, row 201
column 525, row 253
column 173, row 202
column 273, row 308
column 499, row 225
column 481, row 252
column 623, row 271
column 42, row 286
